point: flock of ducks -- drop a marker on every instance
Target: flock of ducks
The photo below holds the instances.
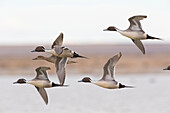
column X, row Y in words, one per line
column 60, row 56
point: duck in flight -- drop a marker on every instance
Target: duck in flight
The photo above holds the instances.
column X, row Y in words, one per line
column 134, row 32
column 52, row 58
column 40, row 82
column 108, row 80
column 58, row 50
column 61, row 55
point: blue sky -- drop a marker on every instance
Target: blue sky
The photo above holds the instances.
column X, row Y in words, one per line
column 81, row 21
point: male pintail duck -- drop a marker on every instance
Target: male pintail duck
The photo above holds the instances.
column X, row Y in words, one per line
column 60, row 59
column 58, row 50
column 108, row 81
column 134, row 32
column 52, row 58
column 40, row 82
column 168, row 68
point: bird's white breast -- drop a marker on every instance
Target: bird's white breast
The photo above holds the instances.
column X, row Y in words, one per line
column 65, row 53
column 133, row 34
column 107, row 84
column 40, row 83
column 52, row 51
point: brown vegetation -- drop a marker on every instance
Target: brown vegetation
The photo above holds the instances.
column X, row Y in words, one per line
column 130, row 63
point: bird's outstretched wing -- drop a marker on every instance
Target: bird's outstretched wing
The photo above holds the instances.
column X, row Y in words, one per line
column 58, row 41
column 139, row 44
column 43, row 94
column 60, row 69
column 58, row 49
column 52, row 59
column 135, row 24
column 41, row 73
column 109, row 67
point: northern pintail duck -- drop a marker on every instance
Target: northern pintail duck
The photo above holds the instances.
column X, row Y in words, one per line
column 134, row 32
column 61, row 54
column 58, row 50
column 40, row 82
column 108, row 81
column 168, row 68
column 52, row 58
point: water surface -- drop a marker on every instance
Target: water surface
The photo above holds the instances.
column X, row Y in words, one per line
column 151, row 95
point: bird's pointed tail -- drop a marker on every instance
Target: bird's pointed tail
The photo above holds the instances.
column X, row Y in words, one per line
column 129, row 87
column 75, row 55
column 150, row 37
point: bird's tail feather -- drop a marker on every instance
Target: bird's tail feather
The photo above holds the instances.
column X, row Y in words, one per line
column 150, row 37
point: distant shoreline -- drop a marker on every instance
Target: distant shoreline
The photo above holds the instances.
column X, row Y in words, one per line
column 90, row 50
column 17, row 60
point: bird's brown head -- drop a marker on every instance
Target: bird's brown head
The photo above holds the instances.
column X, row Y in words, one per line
column 20, row 81
column 39, row 49
column 44, row 68
column 39, row 58
column 111, row 28
column 86, row 80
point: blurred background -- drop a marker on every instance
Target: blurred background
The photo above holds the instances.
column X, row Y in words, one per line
column 27, row 24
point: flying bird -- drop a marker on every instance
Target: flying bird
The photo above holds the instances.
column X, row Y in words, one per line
column 108, row 80
column 52, row 58
column 61, row 55
column 41, row 81
column 134, row 32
